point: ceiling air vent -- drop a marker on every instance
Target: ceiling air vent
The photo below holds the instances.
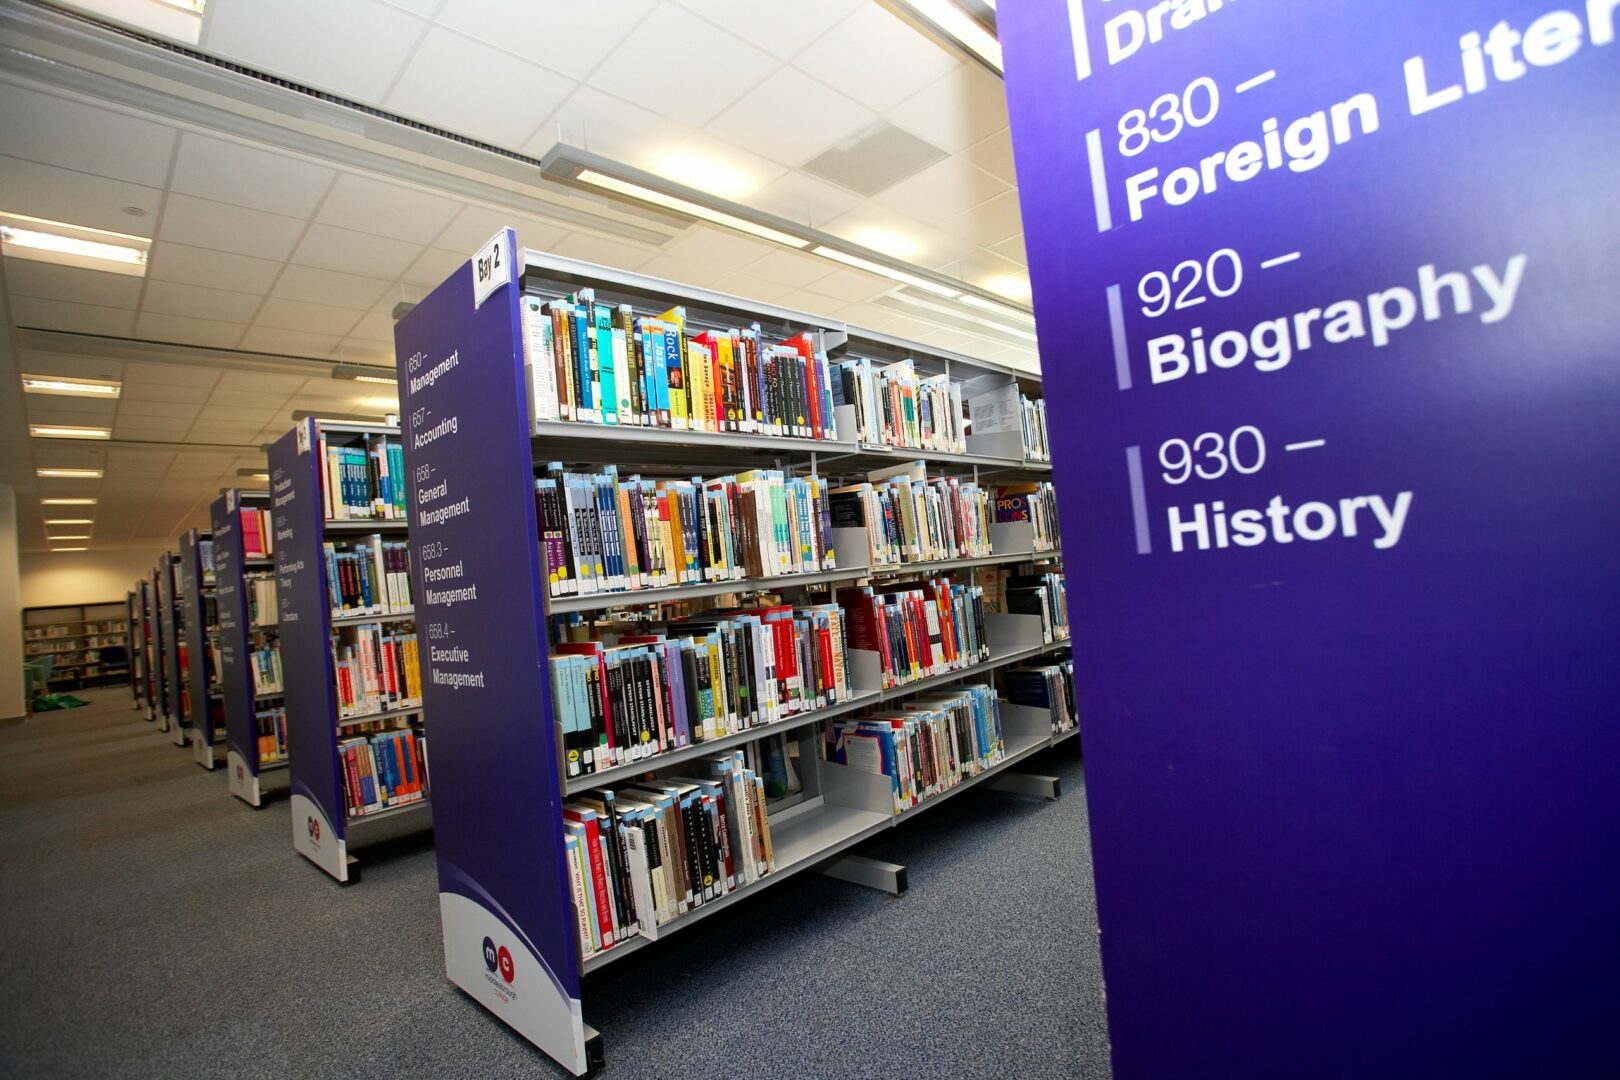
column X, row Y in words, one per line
column 878, row 156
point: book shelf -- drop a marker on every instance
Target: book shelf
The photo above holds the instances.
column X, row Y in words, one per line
column 72, row 636
column 316, row 524
column 247, row 647
column 466, row 360
column 200, row 693
column 142, row 649
column 132, row 621
column 171, row 627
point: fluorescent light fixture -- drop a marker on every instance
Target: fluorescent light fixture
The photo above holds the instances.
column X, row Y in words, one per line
column 60, row 384
column 999, row 309
column 688, row 207
column 70, row 549
column 386, row 404
column 891, row 244
column 254, row 473
column 914, row 280
column 70, row 521
column 947, row 18
column 300, row 415
column 73, row 245
column 57, row 431
column 1012, row 286
column 67, row 502
column 706, row 174
column 365, row 373
column 54, row 539
column 69, row 474
column 194, row 6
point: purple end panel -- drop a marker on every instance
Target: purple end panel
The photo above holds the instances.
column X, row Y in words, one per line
column 235, row 665
column 503, row 885
column 1327, row 298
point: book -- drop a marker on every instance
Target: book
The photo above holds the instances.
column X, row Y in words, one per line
column 382, row 770
column 376, row 667
column 926, row 746
column 363, row 476
column 1035, row 503
column 1044, row 686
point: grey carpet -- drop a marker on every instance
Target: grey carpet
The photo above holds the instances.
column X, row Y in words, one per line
column 152, row 926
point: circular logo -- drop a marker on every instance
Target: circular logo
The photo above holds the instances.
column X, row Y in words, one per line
column 504, row 959
column 241, row 772
column 489, row 954
column 314, row 828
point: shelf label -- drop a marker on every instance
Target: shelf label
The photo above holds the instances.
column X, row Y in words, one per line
column 1328, row 312
column 492, row 266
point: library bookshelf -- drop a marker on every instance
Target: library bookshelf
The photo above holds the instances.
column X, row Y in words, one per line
column 474, row 452
column 132, row 611
column 247, row 647
column 72, row 636
column 313, row 515
column 143, row 649
column 171, row 704
column 199, row 676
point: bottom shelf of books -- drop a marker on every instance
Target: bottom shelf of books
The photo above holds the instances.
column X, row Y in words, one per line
column 729, row 756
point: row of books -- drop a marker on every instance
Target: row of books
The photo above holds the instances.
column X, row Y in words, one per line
column 368, row 576
column 915, row 630
column 894, row 406
column 383, row 771
column 926, row 746
column 640, row 856
column 377, row 666
column 1045, row 595
column 258, row 536
column 1037, row 443
column 713, row 675
column 1045, row 686
column 260, row 592
column 265, row 663
column 602, row 363
column 363, row 478
column 270, row 728
column 908, row 517
column 602, row 534
column 101, row 641
column 1035, row 503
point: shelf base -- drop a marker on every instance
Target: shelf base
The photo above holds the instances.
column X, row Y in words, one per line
column 872, row 873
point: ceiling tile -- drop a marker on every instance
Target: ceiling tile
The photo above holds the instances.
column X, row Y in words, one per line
column 214, row 269
column 965, row 106
column 995, row 156
column 988, row 223
column 27, row 277
column 240, row 399
column 432, row 267
column 374, row 328
column 493, row 97
column 475, row 224
column 983, row 267
column 752, row 288
column 680, row 66
column 1012, row 249
column 30, row 311
column 785, row 267
column 44, row 191
column 208, row 224
column 944, row 188
column 183, row 330
column 717, row 247
column 263, row 382
column 804, row 199
column 612, row 127
column 877, row 57
column 847, row 285
column 790, row 118
column 318, row 286
column 134, row 391
column 326, row 49
column 194, row 301
column 899, row 236
column 781, row 29
column 330, row 248
column 591, row 30
column 617, row 254
column 289, row 342
column 170, row 375
column 243, row 175
column 684, row 271
column 311, row 318
column 58, row 130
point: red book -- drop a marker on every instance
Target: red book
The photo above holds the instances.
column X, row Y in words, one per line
column 593, row 841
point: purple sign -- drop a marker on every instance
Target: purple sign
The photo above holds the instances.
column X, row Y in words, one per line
column 503, row 885
column 1329, row 298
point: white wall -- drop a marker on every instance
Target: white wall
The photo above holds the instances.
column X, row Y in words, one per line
column 12, row 701
column 82, row 577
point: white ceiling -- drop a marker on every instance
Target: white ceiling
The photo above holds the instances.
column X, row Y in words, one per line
column 261, row 249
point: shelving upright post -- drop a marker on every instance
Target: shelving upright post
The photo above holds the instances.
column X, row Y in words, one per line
column 172, row 622
column 247, row 767
column 197, row 599
column 322, row 827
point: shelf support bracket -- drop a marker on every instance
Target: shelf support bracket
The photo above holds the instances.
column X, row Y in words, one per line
column 872, row 873
column 1016, row 783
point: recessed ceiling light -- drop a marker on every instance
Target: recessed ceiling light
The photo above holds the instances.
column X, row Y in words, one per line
column 687, row 206
column 57, row 242
column 60, row 384
column 364, row 373
column 56, row 431
column 949, row 19
column 69, row 474
column 54, row 539
column 67, row 502
column 70, row 549
column 70, row 521
column 871, row 267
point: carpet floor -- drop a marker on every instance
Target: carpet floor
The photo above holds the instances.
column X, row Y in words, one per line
column 153, row 926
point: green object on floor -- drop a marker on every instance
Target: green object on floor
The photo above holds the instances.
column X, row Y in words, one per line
column 47, row 702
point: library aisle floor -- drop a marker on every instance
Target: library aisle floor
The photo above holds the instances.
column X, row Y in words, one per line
column 154, row 926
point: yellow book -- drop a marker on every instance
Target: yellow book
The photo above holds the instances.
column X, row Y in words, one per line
column 674, row 321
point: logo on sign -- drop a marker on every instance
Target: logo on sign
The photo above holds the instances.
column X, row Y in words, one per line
column 501, row 969
column 241, row 773
column 314, row 828
column 491, row 959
